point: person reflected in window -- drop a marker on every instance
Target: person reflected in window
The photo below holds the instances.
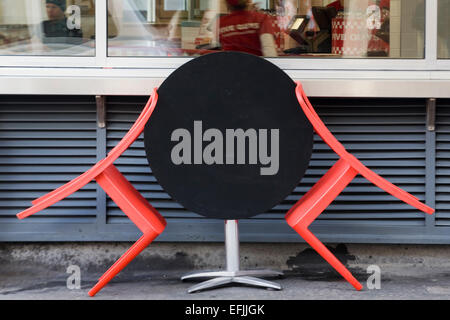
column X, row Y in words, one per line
column 55, row 29
column 338, row 5
column 247, row 30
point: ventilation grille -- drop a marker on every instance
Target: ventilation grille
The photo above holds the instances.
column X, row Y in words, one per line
column 443, row 162
column 386, row 135
column 45, row 142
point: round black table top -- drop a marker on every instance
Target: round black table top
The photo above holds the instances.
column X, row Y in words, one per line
column 228, row 138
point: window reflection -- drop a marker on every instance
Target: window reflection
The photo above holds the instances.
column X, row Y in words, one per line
column 444, row 29
column 247, row 29
column 57, row 28
column 47, row 27
column 272, row 28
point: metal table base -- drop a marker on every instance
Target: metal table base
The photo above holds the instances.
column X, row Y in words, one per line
column 232, row 274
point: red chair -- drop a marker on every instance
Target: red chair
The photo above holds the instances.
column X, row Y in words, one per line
column 317, row 199
column 130, row 201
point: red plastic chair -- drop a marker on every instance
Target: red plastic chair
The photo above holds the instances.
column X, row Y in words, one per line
column 317, row 199
column 129, row 200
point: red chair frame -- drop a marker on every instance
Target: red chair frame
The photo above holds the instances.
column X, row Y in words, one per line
column 129, row 200
column 317, row 199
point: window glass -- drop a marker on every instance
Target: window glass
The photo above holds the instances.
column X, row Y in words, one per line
column 272, row 28
column 47, row 27
column 444, row 29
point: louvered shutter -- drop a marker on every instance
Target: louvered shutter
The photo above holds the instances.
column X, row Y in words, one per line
column 48, row 140
column 44, row 143
column 443, row 162
column 387, row 135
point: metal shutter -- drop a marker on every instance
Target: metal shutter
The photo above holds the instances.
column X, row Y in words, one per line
column 443, row 163
column 47, row 140
column 44, row 142
column 387, row 135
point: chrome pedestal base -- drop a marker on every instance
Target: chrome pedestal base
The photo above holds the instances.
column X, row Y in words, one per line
column 232, row 274
column 221, row 281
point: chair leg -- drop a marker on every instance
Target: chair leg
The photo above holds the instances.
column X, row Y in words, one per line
column 328, row 256
column 123, row 261
column 140, row 212
column 313, row 203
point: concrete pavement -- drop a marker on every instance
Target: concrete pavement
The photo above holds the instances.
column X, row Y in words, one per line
column 39, row 272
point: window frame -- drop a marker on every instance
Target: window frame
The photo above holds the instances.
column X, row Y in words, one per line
column 101, row 60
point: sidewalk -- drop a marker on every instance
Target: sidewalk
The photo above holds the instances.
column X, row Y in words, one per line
column 167, row 286
column 418, row 273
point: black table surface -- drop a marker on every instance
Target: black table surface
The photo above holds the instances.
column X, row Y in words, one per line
column 212, row 140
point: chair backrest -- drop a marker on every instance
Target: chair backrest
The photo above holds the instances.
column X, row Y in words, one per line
column 337, row 147
column 317, row 123
column 103, row 164
column 136, row 129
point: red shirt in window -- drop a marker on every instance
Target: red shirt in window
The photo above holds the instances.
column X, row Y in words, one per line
column 240, row 31
column 337, row 5
column 385, row 4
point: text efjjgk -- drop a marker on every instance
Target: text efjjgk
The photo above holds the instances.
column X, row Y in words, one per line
column 234, row 140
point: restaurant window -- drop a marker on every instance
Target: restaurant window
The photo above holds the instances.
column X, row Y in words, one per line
column 444, row 29
column 47, row 27
column 272, row 28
